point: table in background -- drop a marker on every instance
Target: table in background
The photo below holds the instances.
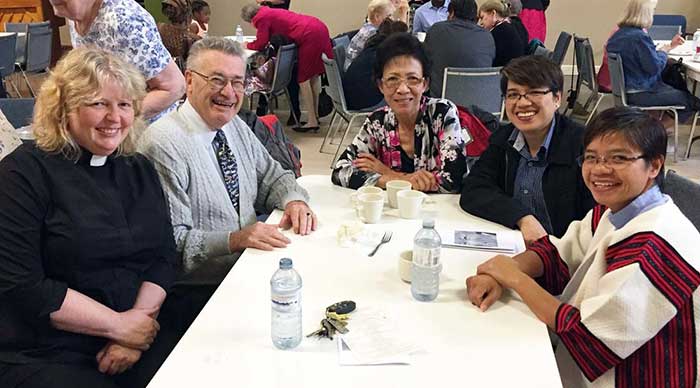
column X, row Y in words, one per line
column 229, row 343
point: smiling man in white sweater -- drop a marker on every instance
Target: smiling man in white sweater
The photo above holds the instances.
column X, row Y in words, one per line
column 215, row 171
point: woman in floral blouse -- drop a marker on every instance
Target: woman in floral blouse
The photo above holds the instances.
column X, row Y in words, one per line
column 414, row 138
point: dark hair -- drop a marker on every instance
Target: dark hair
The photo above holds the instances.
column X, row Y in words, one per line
column 636, row 126
column 199, row 5
column 463, row 9
column 177, row 11
column 398, row 45
column 534, row 71
column 385, row 29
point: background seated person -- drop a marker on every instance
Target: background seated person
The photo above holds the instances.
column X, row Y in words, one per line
column 215, row 172
column 200, row 18
column 528, row 176
column 515, row 7
column 493, row 16
column 377, row 12
column 428, row 14
column 87, row 250
column 457, row 42
column 627, row 274
column 361, row 90
column 414, row 137
column 176, row 35
column 643, row 64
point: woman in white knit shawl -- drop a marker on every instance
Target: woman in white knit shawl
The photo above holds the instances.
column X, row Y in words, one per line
column 626, row 275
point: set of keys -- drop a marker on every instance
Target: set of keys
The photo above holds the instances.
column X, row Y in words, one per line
column 336, row 320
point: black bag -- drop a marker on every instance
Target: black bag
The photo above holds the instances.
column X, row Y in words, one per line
column 674, row 75
column 325, row 103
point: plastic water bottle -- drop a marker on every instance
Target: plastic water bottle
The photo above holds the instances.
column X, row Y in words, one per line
column 239, row 34
column 696, row 46
column 426, row 267
column 285, row 291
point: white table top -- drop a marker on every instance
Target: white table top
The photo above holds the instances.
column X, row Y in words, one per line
column 684, row 51
column 19, row 34
column 229, row 343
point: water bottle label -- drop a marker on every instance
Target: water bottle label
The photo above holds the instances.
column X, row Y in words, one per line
column 286, row 302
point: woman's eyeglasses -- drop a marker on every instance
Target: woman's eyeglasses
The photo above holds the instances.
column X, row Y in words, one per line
column 532, row 95
column 394, row 82
column 614, row 161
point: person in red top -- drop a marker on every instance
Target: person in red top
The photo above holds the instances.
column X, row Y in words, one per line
column 312, row 39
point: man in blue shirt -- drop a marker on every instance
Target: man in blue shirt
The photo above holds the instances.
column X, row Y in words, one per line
column 428, row 14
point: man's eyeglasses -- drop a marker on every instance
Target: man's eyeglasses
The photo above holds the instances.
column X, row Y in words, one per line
column 394, row 82
column 217, row 82
column 532, row 95
column 614, row 161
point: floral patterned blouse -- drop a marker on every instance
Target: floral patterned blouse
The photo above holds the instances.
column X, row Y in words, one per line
column 124, row 28
column 440, row 147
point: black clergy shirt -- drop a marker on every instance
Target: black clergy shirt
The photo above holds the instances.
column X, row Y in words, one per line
column 99, row 230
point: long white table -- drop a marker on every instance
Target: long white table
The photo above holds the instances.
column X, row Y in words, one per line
column 229, row 343
column 684, row 51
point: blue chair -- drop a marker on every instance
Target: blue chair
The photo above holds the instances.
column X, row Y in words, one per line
column 671, row 20
column 18, row 111
column 665, row 32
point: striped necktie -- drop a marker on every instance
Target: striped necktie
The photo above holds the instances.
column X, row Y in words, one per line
column 228, row 165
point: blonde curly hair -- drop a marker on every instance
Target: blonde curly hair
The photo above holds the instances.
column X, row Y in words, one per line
column 76, row 80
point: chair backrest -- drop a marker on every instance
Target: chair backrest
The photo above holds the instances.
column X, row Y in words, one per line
column 284, row 65
column 21, row 43
column 664, row 32
column 18, row 111
column 543, row 51
column 7, row 54
column 617, row 79
column 671, row 20
column 38, row 54
column 585, row 63
column 561, row 48
column 339, row 56
column 342, row 40
column 335, row 83
column 685, row 194
column 474, row 86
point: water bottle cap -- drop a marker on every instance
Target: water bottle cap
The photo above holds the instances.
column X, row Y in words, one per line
column 429, row 223
column 285, row 263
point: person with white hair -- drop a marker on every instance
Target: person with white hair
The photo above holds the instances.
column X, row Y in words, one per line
column 377, row 11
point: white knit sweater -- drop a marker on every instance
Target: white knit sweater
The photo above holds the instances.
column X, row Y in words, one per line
column 200, row 208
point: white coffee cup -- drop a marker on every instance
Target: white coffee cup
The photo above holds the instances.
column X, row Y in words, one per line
column 405, row 263
column 410, row 203
column 370, row 207
column 393, row 187
column 363, row 190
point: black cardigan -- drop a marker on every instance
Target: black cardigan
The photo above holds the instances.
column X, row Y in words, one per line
column 488, row 189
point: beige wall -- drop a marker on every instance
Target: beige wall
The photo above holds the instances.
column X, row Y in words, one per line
column 592, row 18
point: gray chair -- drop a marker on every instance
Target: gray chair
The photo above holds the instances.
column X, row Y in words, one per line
column 617, row 79
column 587, row 75
column 342, row 40
column 339, row 56
column 7, row 58
column 37, row 53
column 18, row 111
column 685, row 194
column 284, row 65
column 561, row 48
column 664, row 32
column 691, row 137
column 335, row 91
column 480, row 87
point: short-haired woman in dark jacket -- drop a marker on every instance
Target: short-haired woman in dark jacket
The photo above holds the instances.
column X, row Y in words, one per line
column 528, row 176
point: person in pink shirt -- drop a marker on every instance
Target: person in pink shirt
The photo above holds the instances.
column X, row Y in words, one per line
column 312, row 39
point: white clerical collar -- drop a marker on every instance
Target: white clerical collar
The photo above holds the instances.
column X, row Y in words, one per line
column 98, row 160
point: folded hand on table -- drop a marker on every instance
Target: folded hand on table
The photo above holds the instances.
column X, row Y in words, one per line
column 483, row 291
column 503, row 269
column 114, row 358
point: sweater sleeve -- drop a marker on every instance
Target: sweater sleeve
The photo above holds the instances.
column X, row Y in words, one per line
column 641, row 304
column 195, row 245
column 262, row 34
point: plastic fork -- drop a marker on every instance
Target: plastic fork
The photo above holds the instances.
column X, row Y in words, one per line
column 385, row 239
